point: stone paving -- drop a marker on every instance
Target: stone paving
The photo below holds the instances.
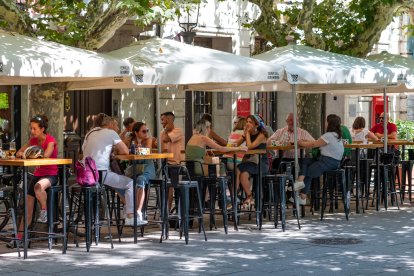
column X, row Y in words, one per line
column 381, row 244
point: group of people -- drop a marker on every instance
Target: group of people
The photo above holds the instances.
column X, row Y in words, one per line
column 250, row 132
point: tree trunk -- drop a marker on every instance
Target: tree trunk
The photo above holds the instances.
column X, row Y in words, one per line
column 309, row 113
column 47, row 99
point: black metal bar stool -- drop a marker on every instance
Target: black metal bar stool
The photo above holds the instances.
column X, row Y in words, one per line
column 184, row 186
column 91, row 197
column 331, row 180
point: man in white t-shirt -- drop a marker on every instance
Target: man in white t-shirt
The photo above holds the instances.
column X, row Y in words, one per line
column 98, row 144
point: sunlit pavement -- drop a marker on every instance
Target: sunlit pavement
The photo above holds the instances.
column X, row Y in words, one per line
column 382, row 243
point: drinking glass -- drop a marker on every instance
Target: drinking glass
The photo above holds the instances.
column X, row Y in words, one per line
column 12, row 149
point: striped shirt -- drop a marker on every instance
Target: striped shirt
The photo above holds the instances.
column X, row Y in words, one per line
column 284, row 135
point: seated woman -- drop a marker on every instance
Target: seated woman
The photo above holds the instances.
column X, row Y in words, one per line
column 196, row 146
column 44, row 176
column 360, row 133
column 146, row 169
column 331, row 149
column 255, row 136
column 212, row 134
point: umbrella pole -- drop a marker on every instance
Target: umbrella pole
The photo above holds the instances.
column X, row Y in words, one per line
column 385, row 122
column 295, row 131
column 158, row 120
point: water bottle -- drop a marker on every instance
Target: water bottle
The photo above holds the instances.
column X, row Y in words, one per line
column 132, row 148
column 285, row 138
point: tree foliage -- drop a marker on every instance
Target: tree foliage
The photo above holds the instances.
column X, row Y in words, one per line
column 85, row 24
column 350, row 27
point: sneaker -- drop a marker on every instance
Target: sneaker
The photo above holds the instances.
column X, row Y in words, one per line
column 130, row 222
column 299, row 185
column 299, row 199
column 140, row 219
column 13, row 244
column 42, row 216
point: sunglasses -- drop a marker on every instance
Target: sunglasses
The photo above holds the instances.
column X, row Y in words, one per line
column 145, row 131
column 381, row 118
column 37, row 118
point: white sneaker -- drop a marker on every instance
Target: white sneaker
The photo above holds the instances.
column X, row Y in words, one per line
column 140, row 219
column 299, row 185
column 42, row 216
column 299, row 200
column 130, row 222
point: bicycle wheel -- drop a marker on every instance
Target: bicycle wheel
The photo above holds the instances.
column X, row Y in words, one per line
column 4, row 214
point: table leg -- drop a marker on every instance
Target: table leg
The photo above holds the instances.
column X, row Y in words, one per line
column 357, row 180
column 134, row 189
column 64, row 210
column 378, row 178
column 25, row 234
column 235, row 193
column 259, row 189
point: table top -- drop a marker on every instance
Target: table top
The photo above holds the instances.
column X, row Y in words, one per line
column 34, row 162
column 254, row 151
column 363, row 146
column 144, row 157
column 394, row 142
column 286, row 147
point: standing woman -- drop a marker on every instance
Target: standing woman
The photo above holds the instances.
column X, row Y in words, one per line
column 255, row 136
column 44, row 176
column 141, row 137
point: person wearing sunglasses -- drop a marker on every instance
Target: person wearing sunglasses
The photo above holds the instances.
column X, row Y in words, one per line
column 378, row 129
column 145, row 169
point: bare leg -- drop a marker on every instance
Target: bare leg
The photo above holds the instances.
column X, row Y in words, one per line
column 40, row 191
column 30, row 206
column 245, row 182
column 140, row 199
column 170, row 198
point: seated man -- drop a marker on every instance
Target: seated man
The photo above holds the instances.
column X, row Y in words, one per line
column 378, row 129
column 286, row 135
column 99, row 143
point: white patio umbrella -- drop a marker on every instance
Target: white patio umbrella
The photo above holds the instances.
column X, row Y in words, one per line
column 27, row 60
column 164, row 62
column 408, row 86
column 310, row 70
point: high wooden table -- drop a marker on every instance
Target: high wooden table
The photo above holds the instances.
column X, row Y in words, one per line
column 357, row 148
column 25, row 164
column 394, row 142
column 134, row 158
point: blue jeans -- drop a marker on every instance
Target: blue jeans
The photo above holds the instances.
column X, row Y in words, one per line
column 311, row 168
column 149, row 173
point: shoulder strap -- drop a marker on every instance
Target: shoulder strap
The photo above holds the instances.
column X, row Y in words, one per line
column 93, row 130
column 92, row 169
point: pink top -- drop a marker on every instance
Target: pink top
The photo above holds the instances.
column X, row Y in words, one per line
column 49, row 169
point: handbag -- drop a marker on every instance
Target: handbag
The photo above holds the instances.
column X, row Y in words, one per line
column 209, row 160
column 114, row 165
column 139, row 169
column 251, row 158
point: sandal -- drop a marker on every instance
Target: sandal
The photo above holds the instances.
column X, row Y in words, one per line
column 249, row 201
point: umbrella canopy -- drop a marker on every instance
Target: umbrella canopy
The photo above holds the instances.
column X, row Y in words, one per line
column 164, row 62
column 397, row 60
column 27, row 60
column 316, row 71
